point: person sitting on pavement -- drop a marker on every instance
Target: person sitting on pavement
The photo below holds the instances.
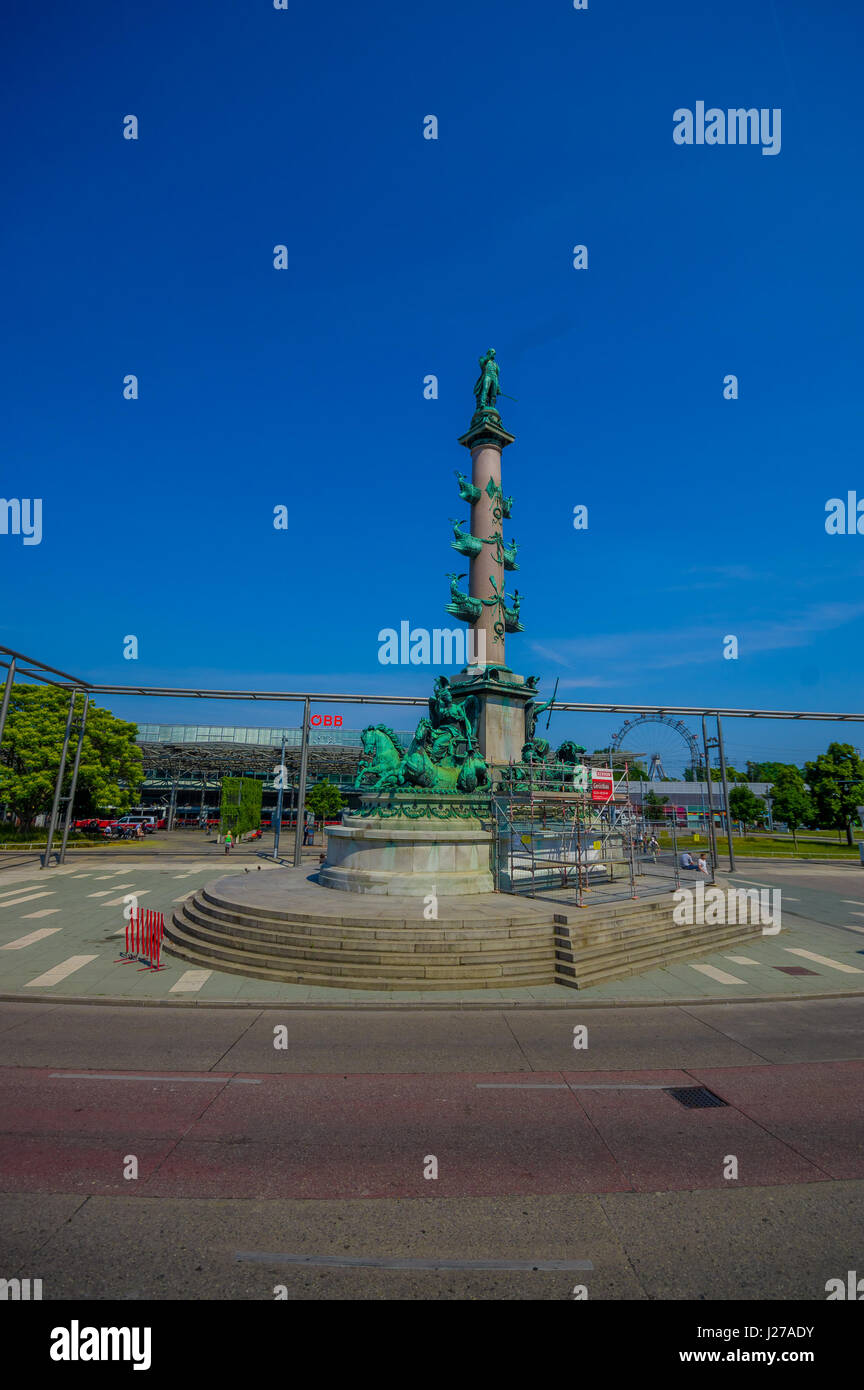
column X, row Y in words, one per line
column 687, row 860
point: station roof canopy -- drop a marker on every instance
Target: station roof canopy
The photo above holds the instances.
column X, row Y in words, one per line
column 212, row 751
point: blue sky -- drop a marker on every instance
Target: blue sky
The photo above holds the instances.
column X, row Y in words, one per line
column 406, row 257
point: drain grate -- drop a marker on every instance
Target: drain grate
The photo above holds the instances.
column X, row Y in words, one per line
column 694, row 1097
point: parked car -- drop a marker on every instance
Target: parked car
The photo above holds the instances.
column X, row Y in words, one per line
column 147, row 823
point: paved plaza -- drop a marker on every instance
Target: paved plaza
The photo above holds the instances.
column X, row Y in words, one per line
column 62, row 929
column 283, row 1135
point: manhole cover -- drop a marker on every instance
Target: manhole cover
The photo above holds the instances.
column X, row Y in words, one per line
column 694, row 1097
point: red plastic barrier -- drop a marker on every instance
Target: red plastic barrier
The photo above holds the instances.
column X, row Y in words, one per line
column 145, row 929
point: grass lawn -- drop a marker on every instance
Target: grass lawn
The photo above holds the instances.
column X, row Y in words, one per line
column 771, row 846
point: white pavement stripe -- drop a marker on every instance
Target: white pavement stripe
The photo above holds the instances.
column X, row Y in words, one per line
column 31, row 898
column 43, row 912
column 87, row 875
column 28, row 940
column 848, row 927
column 824, row 960
column 113, row 902
column 719, row 975
column 742, row 960
column 190, row 981
column 521, row 1086
column 19, row 888
column 60, row 972
column 853, row 902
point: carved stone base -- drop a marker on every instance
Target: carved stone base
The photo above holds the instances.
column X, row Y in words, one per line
column 409, row 855
column 502, row 698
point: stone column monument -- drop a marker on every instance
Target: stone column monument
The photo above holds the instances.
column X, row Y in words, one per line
column 500, row 695
column 425, row 822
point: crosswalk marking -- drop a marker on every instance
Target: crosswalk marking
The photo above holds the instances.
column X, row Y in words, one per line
column 113, row 902
column 60, row 972
column 103, row 892
column 29, row 940
column 742, row 960
column 43, row 912
column 89, row 874
column 852, row 902
column 19, row 888
column 719, row 975
column 190, row 981
column 824, row 960
column 31, row 898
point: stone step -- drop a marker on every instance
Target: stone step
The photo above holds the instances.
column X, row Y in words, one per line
column 422, row 930
column 634, row 947
column 339, row 916
column 600, row 936
column 371, row 955
column 615, row 966
column 304, row 974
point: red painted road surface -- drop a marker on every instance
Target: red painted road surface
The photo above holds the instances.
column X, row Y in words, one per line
column 211, row 1135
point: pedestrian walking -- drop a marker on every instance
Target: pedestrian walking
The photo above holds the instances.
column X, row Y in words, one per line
column 228, row 841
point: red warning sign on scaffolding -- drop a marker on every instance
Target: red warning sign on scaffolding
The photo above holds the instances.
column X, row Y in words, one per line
column 602, row 786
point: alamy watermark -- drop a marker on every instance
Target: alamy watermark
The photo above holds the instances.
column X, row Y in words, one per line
column 733, row 127
column 443, row 646
column 22, row 517
column 845, row 517
column 715, row 907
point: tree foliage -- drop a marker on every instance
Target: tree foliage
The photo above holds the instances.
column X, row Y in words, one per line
column 110, row 772
column 324, row 800
column 745, row 806
column 791, row 802
column 769, row 772
column 836, row 782
column 652, row 806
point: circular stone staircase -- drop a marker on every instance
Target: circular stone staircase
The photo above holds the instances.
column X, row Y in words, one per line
column 279, row 925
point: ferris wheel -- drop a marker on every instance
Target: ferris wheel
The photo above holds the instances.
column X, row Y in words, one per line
column 672, row 745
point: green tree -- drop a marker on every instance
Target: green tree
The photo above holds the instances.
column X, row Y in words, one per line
column 652, row 806
column 791, row 802
column 836, row 782
column 110, row 771
column 746, row 807
column 769, row 772
column 732, row 774
column 325, row 800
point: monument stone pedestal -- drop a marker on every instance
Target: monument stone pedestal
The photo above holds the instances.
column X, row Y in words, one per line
column 411, row 846
column 501, row 698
